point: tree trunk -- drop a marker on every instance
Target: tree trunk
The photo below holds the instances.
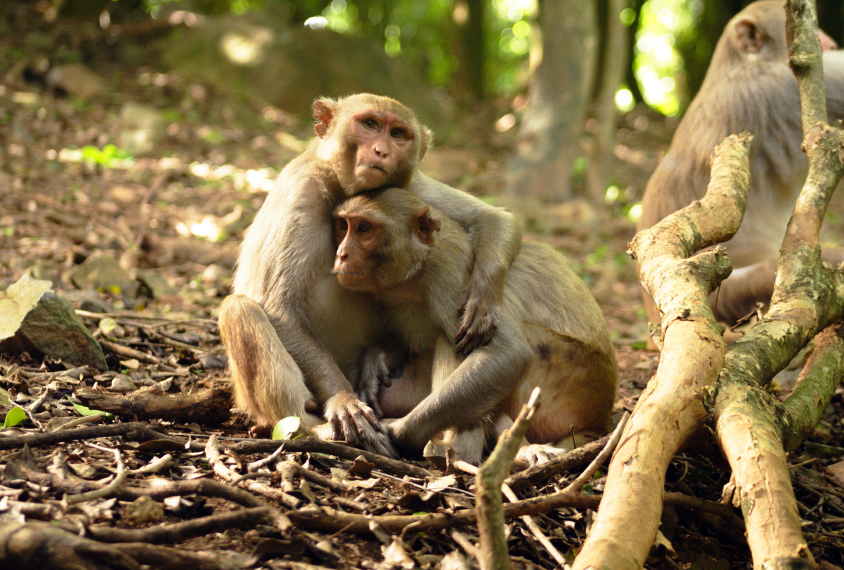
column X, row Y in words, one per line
column 471, row 55
column 548, row 140
column 614, row 58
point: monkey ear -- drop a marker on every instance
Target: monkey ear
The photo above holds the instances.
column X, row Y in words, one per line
column 324, row 110
column 424, row 225
column 749, row 35
column 426, row 140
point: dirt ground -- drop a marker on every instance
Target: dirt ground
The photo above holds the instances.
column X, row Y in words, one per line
column 177, row 213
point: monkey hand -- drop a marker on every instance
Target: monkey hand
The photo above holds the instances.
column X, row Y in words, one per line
column 480, row 311
column 355, row 422
column 374, row 374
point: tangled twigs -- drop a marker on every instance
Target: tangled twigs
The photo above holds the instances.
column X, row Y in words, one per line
column 537, row 475
column 133, row 430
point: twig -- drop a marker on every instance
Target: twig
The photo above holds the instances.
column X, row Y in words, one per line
column 212, row 452
column 463, row 542
column 584, row 477
column 129, row 352
column 184, row 530
column 79, row 421
column 529, row 522
column 135, row 431
column 535, row 476
column 121, row 475
column 314, row 445
column 491, row 475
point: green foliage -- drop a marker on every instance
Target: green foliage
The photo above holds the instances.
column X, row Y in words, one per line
column 107, row 157
column 15, row 416
column 86, row 411
column 658, row 64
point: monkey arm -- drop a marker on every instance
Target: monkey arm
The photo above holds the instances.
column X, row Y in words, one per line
column 497, row 238
column 478, row 385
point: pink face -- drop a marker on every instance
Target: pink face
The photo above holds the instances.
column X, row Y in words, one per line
column 384, row 142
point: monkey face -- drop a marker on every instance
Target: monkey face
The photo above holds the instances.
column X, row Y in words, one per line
column 385, row 149
column 357, row 253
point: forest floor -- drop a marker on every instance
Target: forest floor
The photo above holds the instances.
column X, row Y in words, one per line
column 174, row 216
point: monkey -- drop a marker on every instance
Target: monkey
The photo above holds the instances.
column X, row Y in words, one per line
column 748, row 87
column 551, row 333
column 294, row 336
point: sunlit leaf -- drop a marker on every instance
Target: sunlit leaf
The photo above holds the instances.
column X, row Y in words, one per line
column 285, row 428
column 86, row 411
column 15, row 416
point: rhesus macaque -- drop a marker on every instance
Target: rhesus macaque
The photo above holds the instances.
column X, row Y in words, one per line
column 293, row 336
column 748, row 87
column 551, row 333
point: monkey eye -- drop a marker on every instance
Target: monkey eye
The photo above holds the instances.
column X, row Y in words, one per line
column 364, row 227
column 370, row 123
column 342, row 224
column 398, row 133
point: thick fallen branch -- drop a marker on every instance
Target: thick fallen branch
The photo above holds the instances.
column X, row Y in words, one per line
column 208, row 405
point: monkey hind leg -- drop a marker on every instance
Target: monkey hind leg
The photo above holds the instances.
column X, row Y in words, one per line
column 268, row 384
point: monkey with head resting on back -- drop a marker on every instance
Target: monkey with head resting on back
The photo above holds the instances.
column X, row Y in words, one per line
column 296, row 340
column 551, row 334
column 748, row 87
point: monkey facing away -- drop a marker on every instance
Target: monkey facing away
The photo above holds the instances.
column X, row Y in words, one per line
column 292, row 334
column 748, row 87
column 551, row 333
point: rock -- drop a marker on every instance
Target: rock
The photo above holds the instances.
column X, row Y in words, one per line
column 36, row 320
column 158, row 286
column 260, row 55
column 76, row 80
column 104, row 274
column 142, row 127
column 213, row 362
column 88, row 300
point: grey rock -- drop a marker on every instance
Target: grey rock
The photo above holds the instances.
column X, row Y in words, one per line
column 104, row 274
column 36, row 320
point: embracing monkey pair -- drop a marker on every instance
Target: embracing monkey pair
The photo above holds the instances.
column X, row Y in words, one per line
column 366, row 291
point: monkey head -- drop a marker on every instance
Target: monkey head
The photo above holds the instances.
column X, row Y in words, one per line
column 757, row 33
column 383, row 239
column 369, row 141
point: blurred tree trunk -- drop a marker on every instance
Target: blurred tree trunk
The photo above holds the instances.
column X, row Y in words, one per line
column 632, row 82
column 614, row 58
column 549, row 137
column 468, row 18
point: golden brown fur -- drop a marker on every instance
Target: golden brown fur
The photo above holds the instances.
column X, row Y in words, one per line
column 551, row 333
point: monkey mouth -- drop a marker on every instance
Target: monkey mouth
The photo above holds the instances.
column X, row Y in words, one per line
column 375, row 167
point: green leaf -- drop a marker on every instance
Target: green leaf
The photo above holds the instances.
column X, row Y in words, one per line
column 15, row 416
column 285, row 427
column 85, row 411
column 107, row 325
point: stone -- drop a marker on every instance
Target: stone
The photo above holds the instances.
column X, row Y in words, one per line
column 103, row 273
column 36, row 320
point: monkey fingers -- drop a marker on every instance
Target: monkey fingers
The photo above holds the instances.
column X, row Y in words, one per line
column 476, row 327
